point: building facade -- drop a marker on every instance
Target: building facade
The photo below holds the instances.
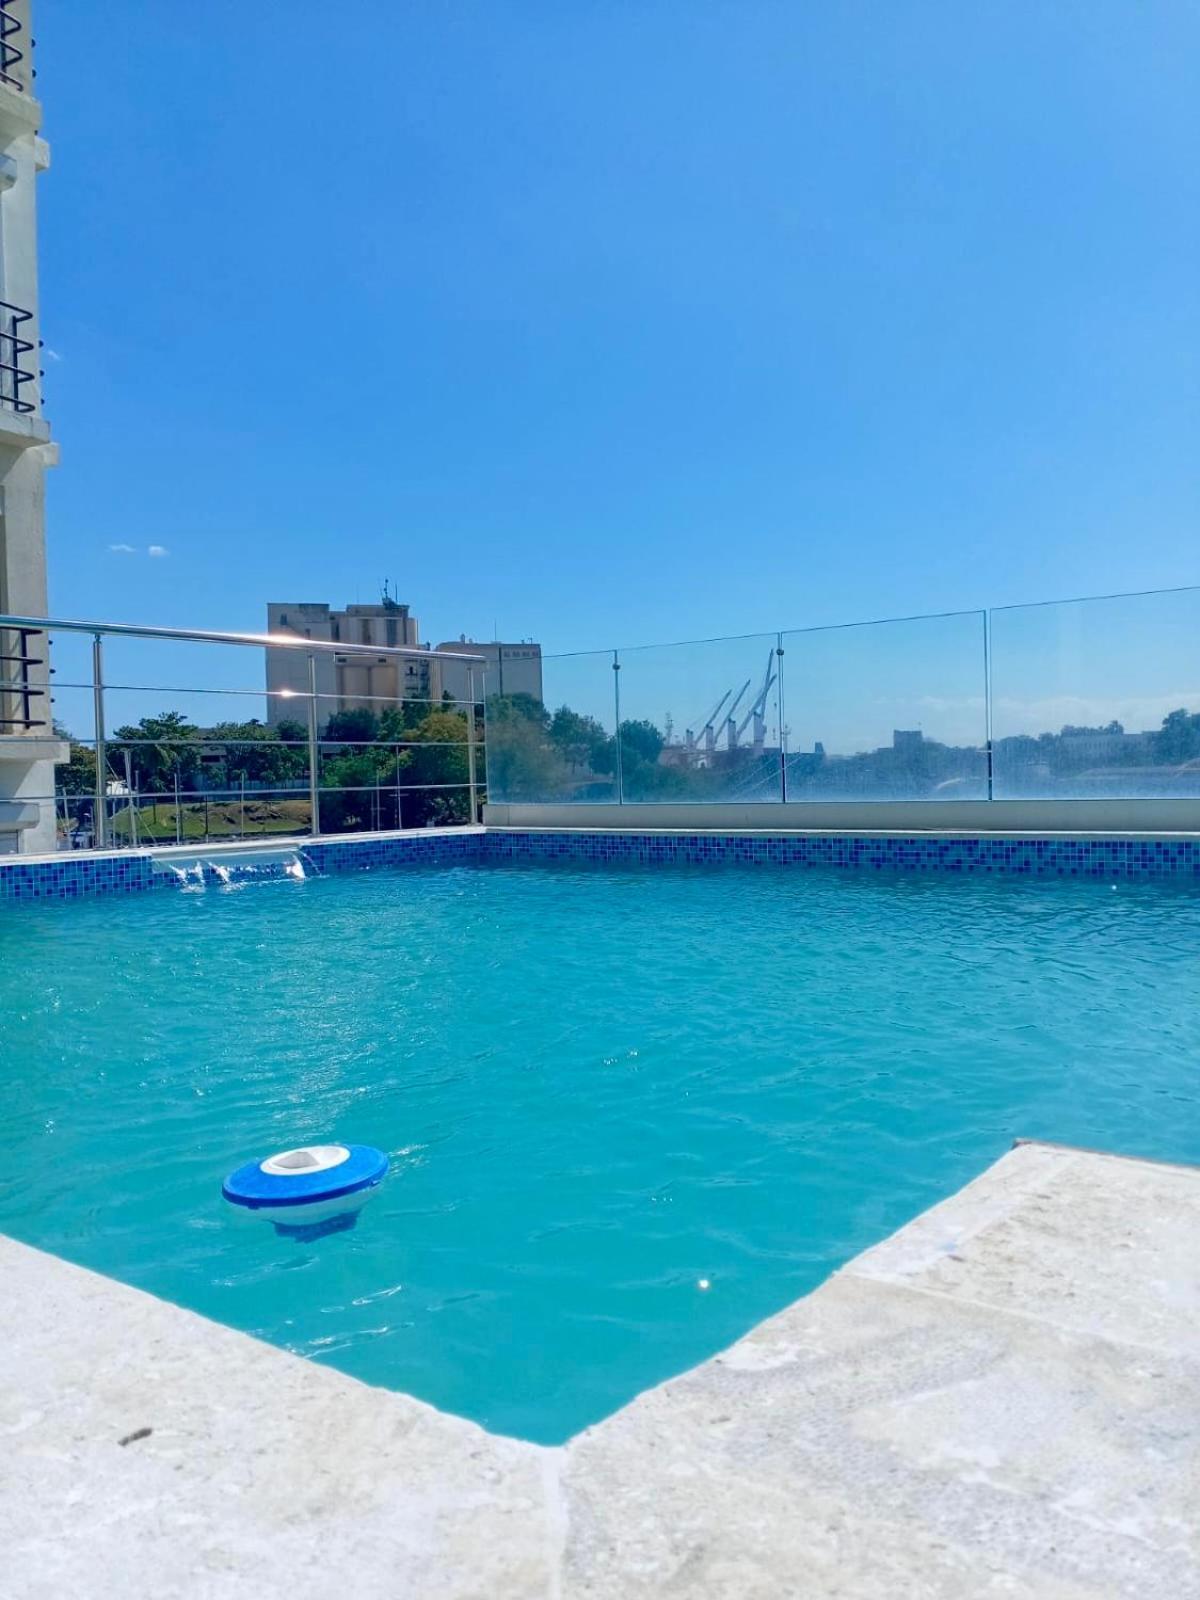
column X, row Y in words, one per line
column 353, row 682
column 350, row 682
column 28, row 748
column 511, row 668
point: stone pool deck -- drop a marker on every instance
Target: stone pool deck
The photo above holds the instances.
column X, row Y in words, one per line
column 1002, row 1399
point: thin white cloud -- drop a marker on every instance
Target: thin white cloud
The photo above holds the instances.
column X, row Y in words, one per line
column 122, row 549
column 156, row 550
column 1135, row 712
column 50, row 355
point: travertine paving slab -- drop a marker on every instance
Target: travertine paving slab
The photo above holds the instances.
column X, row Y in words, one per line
column 264, row 1474
column 1094, row 1242
column 881, row 1442
column 1003, row 1399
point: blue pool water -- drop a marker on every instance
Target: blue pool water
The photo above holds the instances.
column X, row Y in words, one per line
column 597, row 1087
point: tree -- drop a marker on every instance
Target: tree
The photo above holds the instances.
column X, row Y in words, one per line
column 257, row 753
column 358, row 791
column 357, row 726
column 162, row 752
column 518, row 708
column 641, row 740
column 522, row 763
column 78, row 775
column 580, row 740
column 1178, row 740
column 438, row 770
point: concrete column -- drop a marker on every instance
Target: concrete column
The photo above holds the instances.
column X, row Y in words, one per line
column 27, row 755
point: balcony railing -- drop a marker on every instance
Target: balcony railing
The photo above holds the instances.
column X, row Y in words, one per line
column 14, row 347
column 24, row 702
column 1095, row 699
column 11, row 55
column 167, row 746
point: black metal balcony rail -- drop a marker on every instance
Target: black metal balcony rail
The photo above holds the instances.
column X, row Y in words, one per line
column 11, row 55
column 18, row 692
column 14, row 347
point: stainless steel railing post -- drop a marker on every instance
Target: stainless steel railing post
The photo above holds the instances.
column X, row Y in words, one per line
column 314, row 749
column 618, row 765
column 783, row 794
column 471, row 786
column 100, row 820
column 987, row 698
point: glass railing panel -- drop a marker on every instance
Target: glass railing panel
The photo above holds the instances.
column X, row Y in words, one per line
column 560, row 748
column 700, row 722
column 1097, row 699
column 887, row 710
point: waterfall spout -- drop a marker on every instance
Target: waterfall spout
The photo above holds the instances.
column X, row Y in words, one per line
column 235, row 868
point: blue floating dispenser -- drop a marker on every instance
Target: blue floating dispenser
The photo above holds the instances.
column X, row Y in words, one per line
column 317, row 1189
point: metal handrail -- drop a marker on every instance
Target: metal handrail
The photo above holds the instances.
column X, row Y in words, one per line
column 21, row 687
column 253, row 694
column 310, row 648
column 259, row 641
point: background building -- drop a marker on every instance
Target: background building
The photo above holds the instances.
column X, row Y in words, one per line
column 345, row 682
column 511, row 668
column 350, row 682
column 28, row 748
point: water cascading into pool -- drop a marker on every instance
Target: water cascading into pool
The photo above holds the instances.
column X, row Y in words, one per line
column 240, row 867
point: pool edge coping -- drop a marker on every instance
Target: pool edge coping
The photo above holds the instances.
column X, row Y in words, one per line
column 929, row 1259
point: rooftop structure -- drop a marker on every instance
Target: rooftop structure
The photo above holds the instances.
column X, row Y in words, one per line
column 511, row 668
column 362, row 684
column 350, row 682
column 28, row 748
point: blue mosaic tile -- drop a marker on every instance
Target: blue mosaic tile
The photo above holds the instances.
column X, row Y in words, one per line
column 133, row 872
column 1108, row 858
column 1175, row 860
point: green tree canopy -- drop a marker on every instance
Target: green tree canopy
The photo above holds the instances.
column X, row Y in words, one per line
column 162, row 751
column 581, row 740
column 256, row 752
column 357, row 726
column 641, row 740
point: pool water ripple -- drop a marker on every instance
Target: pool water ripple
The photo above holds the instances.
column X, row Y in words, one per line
column 599, row 1089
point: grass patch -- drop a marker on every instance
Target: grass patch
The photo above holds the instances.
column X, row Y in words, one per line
column 161, row 822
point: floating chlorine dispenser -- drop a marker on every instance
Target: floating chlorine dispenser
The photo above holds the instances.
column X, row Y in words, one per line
column 317, row 1189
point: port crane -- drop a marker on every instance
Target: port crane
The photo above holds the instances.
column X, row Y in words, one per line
column 731, row 727
column 756, row 713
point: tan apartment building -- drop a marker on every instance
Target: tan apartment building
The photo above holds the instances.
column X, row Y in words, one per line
column 349, row 682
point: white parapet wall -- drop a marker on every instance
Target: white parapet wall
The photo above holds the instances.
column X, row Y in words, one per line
column 27, row 750
column 27, row 819
column 973, row 817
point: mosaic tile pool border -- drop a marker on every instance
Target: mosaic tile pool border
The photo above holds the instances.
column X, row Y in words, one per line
column 73, row 876
column 1133, row 856
column 1029, row 856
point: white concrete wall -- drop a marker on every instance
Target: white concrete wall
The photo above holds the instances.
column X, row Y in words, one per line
column 510, row 669
column 27, row 757
column 906, row 816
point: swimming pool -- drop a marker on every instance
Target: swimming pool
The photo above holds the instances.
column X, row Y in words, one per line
column 601, row 1088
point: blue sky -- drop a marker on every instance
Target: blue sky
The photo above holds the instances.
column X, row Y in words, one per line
column 612, row 323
